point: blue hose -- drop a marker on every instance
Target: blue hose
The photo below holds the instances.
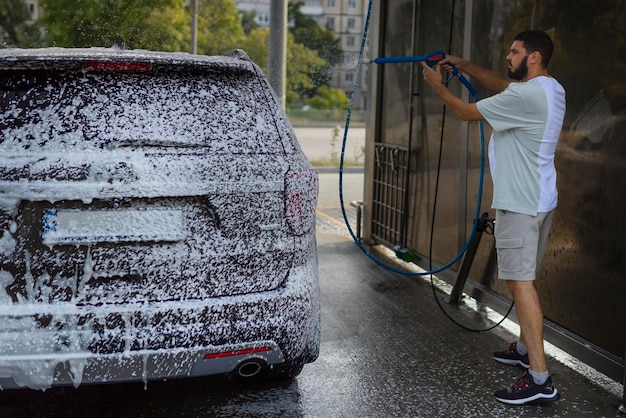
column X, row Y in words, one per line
column 431, row 59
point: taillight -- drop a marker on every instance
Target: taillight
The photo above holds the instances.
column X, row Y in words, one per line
column 237, row 352
column 301, row 190
column 119, row 66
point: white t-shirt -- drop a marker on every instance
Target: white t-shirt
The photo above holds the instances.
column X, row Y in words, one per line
column 526, row 118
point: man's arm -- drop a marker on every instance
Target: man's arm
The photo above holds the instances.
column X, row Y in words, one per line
column 487, row 78
column 462, row 109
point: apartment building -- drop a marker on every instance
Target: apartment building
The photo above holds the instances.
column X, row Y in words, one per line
column 260, row 7
column 33, row 9
column 347, row 19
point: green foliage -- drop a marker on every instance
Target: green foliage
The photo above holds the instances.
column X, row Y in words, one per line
column 97, row 23
column 14, row 25
column 248, row 22
column 256, row 46
column 302, row 66
column 310, row 51
column 165, row 25
column 168, row 29
column 329, row 99
column 307, row 31
column 219, row 26
column 302, row 63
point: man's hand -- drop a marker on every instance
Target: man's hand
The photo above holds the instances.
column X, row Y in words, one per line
column 464, row 110
column 485, row 77
column 450, row 60
column 432, row 75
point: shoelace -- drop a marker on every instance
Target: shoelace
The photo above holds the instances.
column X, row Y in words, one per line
column 512, row 348
column 522, row 382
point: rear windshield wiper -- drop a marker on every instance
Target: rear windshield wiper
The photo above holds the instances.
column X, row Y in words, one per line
column 157, row 143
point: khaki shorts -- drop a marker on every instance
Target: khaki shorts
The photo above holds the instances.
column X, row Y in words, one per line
column 520, row 243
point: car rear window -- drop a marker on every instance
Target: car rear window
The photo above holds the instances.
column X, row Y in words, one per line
column 71, row 111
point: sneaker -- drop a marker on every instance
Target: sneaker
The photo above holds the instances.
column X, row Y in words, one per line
column 512, row 357
column 526, row 391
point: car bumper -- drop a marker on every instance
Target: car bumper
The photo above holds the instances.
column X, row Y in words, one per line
column 142, row 342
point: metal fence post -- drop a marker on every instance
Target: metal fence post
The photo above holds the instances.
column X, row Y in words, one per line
column 358, row 204
column 484, row 225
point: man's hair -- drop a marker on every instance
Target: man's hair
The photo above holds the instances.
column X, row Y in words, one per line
column 537, row 40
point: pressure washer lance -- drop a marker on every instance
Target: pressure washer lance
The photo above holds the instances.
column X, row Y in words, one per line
column 431, row 60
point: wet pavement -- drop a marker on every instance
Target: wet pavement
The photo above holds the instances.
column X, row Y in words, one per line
column 388, row 335
column 387, row 350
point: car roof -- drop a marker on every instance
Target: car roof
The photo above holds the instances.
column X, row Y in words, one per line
column 74, row 58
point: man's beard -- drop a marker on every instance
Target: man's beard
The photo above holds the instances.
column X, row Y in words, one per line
column 521, row 71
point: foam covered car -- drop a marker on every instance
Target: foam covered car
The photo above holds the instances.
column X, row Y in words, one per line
column 157, row 220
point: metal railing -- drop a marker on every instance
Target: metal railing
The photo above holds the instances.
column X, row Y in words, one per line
column 389, row 197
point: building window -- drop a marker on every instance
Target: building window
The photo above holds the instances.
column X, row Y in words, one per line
column 330, row 4
column 350, row 41
column 31, row 9
column 352, row 4
column 349, row 78
column 351, row 23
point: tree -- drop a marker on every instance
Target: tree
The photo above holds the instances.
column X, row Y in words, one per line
column 302, row 63
column 248, row 21
column 302, row 66
column 307, row 31
column 141, row 23
column 14, row 25
column 219, row 26
column 165, row 25
column 256, row 46
column 329, row 99
column 168, row 28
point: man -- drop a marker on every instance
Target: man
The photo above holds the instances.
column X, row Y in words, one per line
column 526, row 117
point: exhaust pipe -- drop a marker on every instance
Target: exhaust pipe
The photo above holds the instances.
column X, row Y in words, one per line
column 250, row 368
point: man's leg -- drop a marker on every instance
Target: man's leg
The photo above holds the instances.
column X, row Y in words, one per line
column 530, row 317
column 526, row 233
column 535, row 385
column 529, row 312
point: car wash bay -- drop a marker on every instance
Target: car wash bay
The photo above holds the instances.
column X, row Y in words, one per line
column 386, row 350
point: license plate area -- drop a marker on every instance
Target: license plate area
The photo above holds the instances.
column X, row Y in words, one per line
column 77, row 226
